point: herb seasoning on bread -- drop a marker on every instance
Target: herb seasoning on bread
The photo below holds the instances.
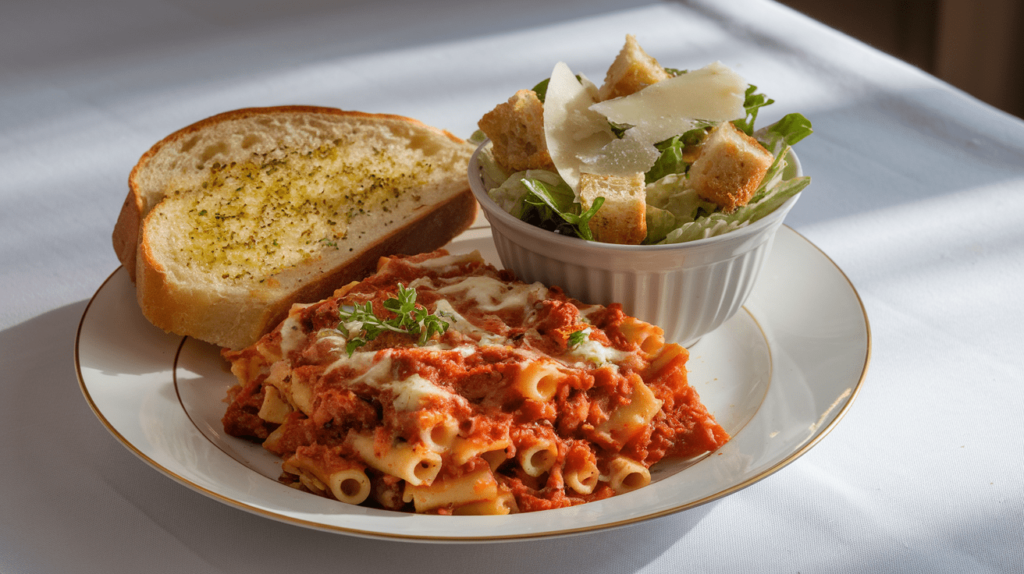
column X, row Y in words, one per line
column 230, row 221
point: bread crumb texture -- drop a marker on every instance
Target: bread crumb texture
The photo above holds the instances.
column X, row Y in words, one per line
column 622, row 218
column 516, row 130
column 256, row 218
column 632, row 71
column 730, row 167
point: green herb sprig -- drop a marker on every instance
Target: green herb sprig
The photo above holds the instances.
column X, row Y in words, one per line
column 577, row 338
column 410, row 319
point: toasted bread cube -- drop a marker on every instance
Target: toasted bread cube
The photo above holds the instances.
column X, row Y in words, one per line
column 516, row 129
column 622, row 218
column 730, row 167
column 632, row 71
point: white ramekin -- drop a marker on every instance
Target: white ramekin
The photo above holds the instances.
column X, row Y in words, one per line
column 688, row 289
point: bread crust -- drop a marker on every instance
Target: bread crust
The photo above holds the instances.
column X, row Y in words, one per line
column 236, row 317
column 126, row 231
column 170, row 307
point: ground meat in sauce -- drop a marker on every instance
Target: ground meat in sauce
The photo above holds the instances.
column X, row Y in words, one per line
column 471, row 385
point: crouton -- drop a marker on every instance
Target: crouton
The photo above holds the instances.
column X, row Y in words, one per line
column 516, row 129
column 730, row 167
column 622, row 218
column 632, row 71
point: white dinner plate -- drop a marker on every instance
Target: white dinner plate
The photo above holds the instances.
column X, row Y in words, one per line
column 777, row 376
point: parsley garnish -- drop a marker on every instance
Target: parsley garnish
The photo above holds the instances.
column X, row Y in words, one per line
column 410, row 319
column 577, row 338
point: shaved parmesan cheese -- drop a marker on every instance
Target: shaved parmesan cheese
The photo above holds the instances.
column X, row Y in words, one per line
column 580, row 139
column 622, row 157
column 671, row 107
column 571, row 128
column 590, row 87
column 660, row 111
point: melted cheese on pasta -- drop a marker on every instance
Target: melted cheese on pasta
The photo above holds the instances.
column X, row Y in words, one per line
column 597, row 353
column 461, row 324
column 490, row 294
column 507, row 396
column 292, row 335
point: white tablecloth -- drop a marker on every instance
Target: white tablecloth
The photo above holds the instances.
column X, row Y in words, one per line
column 917, row 194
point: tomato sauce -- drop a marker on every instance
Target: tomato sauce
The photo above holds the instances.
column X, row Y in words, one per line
column 462, row 384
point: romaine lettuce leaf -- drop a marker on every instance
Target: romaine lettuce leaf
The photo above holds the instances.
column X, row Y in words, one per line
column 493, row 174
column 511, row 194
column 659, row 223
column 785, row 132
column 542, row 198
column 673, row 204
column 773, row 192
column 672, row 159
column 555, row 206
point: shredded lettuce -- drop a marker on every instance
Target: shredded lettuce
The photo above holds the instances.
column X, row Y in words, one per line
column 670, row 204
column 511, row 194
column 773, row 192
column 493, row 174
